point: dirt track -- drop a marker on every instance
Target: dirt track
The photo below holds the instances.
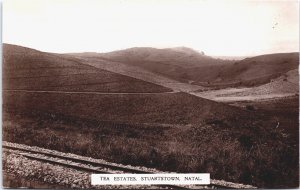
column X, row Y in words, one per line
column 239, row 94
column 86, row 92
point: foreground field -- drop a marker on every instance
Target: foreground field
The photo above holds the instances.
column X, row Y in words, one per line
column 173, row 132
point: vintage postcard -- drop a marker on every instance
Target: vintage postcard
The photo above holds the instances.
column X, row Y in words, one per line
column 150, row 94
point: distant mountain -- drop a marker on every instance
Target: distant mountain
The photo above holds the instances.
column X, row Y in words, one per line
column 185, row 50
column 169, row 62
column 190, row 66
column 179, row 56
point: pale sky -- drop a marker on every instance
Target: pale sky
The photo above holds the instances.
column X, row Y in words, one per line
column 223, row 28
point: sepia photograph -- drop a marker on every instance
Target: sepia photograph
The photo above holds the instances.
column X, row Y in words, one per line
column 150, row 94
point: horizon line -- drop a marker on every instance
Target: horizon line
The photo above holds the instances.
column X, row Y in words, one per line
column 210, row 55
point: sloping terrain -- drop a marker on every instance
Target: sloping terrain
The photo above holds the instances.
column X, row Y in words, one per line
column 285, row 84
column 189, row 66
column 177, row 108
column 175, row 63
column 28, row 69
column 259, row 69
column 139, row 73
column 281, row 87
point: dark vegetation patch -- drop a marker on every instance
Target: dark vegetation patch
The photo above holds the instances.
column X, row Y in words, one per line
column 282, row 113
column 250, row 107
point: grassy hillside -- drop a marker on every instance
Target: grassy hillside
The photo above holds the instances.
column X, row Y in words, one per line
column 187, row 65
column 287, row 83
column 29, row 69
column 260, row 69
column 178, row 108
column 231, row 143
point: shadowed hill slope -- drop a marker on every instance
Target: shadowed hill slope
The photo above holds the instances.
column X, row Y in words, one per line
column 29, row 69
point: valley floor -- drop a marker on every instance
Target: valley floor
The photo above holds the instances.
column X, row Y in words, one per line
column 230, row 95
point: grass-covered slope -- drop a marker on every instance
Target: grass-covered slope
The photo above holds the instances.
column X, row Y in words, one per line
column 29, row 69
column 177, row 108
